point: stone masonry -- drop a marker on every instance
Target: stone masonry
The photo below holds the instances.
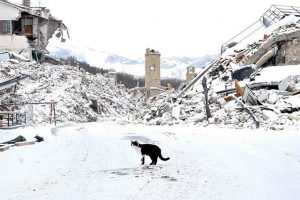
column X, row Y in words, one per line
column 289, row 52
column 152, row 69
column 190, row 74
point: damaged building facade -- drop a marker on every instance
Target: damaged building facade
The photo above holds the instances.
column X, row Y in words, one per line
column 26, row 30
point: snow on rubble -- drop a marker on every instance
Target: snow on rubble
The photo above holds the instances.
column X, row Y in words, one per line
column 251, row 85
column 79, row 96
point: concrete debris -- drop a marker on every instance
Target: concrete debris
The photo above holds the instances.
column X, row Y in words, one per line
column 249, row 97
column 278, row 127
column 290, row 110
column 273, row 97
column 269, row 115
column 290, row 84
column 79, row 96
column 294, row 117
column 271, row 102
column 262, row 95
column 13, row 61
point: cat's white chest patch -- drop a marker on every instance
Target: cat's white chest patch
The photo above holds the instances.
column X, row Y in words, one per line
column 138, row 150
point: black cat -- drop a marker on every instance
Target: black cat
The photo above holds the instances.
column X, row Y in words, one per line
column 150, row 150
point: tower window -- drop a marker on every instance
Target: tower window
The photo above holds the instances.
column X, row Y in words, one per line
column 152, row 67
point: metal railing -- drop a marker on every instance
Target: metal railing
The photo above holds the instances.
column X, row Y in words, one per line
column 9, row 119
column 273, row 15
column 277, row 12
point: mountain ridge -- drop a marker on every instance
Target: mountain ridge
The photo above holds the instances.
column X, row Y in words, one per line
column 170, row 66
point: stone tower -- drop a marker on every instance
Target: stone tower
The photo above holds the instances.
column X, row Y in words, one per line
column 190, row 74
column 152, row 69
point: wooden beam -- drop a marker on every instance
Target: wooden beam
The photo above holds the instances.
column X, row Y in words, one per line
column 24, row 143
column 4, row 148
column 253, row 86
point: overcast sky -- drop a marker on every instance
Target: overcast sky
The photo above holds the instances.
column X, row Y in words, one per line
column 174, row 27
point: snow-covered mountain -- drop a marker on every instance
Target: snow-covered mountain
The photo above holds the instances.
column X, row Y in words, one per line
column 170, row 67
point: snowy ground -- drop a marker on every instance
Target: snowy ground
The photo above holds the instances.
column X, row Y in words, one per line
column 96, row 161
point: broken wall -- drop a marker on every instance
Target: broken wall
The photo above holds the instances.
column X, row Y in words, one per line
column 52, row 27
column 13, row 43
column 8, row 12
column 26, row 30
column 43, row 28
column 289, row 53
column 153, row 92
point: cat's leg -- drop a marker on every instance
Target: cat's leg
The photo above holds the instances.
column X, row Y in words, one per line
column 143, row 160
column 153, row 160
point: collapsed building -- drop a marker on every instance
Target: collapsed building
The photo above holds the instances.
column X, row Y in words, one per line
column 26, row 30
column 254, row 83
column 78, row 95
column 24, row 35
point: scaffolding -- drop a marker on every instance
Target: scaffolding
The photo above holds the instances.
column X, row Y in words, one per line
column 273, row 15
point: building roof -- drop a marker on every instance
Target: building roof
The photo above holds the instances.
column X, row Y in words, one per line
column 41, row 12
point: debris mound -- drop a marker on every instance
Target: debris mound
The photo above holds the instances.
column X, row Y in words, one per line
column 79, row 96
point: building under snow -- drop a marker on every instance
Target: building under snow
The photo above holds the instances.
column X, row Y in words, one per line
column 27, row 30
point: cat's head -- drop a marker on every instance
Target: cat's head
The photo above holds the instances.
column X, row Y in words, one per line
column 134, row 143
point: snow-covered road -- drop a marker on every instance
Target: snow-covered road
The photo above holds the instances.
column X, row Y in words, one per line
column 96, row 161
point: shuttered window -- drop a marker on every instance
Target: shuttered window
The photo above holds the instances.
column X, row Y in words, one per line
column 5, row 27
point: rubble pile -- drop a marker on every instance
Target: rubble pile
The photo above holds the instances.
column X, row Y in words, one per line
column 268, row 44
column 276, row 109
column 255, row 85
column 79, row 96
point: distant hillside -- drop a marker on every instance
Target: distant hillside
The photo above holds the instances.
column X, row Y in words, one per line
column 170, row 67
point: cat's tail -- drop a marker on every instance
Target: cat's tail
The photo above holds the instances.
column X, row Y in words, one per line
column 162, row 158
